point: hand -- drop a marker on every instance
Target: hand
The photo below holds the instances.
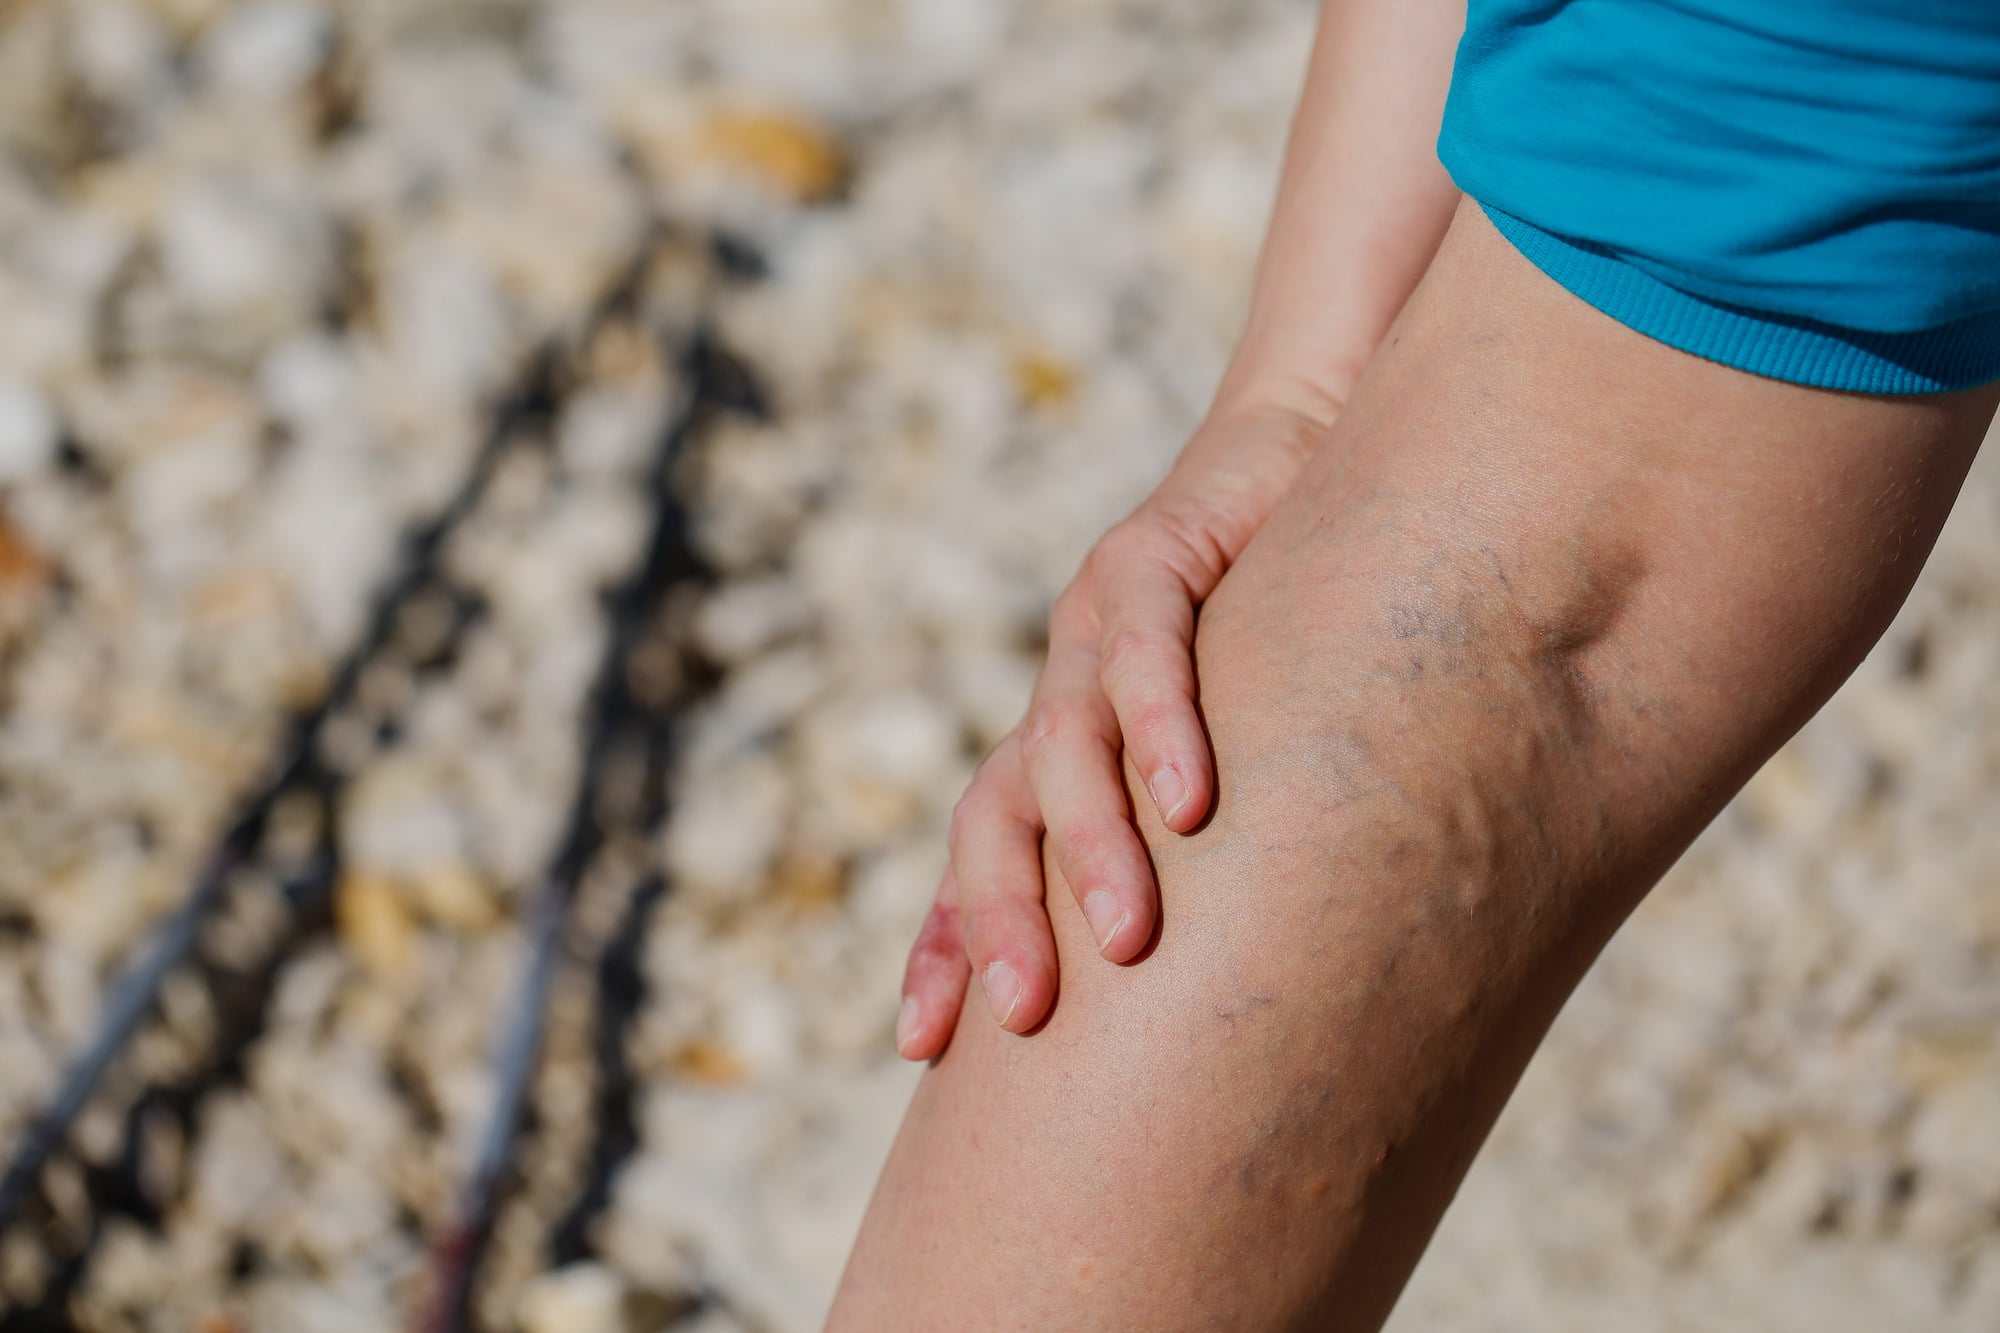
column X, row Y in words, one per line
column 1119, row 677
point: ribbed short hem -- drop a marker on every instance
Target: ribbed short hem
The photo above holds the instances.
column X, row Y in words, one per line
column 1823, row 356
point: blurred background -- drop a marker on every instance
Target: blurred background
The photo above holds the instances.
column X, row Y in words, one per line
column 517, row 520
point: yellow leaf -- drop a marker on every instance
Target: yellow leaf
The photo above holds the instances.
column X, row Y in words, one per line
column 374, row 922
column 22, row 567
column 454, row 896
column 788, row 153
column 1043, row 380
column 708, row 1063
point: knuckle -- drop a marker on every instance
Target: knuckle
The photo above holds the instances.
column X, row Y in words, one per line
column 1074, row 612
column 1132, row 653
column 1151, row 719
column 987, row 773
column 939, row 933
column 977, row 896
column 970, row 809
column 982, row 940
column 1117, row 547
column 1088, row 844
column 1046, row 719
column 1192, row 539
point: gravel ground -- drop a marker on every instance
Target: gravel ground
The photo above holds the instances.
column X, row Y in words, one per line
column 282, row 278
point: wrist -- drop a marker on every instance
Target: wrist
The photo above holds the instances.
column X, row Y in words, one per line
column 1258, row 387
column 1234, row 469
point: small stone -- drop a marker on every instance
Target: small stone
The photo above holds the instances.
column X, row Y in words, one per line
column 1044, row 381
column 457, row 897
column 189, row 17
column 248, row 257
column 709, row 1064
column 99, row 1133
column 902, row 739
column 726, row 831
column 762, row 1029
column 1732, row 1161
column 744, row 618
column 236, row 597
column 789, row 154
column 24, row 1267
column 446, row 320
column 22, row 567
column 711, row 1321
column 29, row 432
column 131, row 1265
column 583, row 1298
column 621, row 350
column 403, row 818
column 807, row 881
column 308, row 380
column 1953, row 1139
column 267, row 50
column 239, row 1169
column 120, row 54
column 375, row 922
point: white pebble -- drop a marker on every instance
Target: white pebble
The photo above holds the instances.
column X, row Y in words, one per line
column 28, row 431
column 583, row 1298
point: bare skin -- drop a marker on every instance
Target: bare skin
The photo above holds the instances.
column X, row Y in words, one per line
column 1361, row 208
column 1539, row 603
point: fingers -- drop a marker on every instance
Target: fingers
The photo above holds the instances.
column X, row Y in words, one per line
column 996, row 858
column 1120, row 677
column 1147, row 673
column 1071, row 747
column 934, row 979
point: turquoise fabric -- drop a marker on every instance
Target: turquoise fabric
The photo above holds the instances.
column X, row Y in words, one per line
column 1804, row 189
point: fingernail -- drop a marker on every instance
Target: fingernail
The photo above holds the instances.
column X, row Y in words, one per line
column 1003, row 990
column 906, row 1022
column 1169, row 792
column 1107, row 921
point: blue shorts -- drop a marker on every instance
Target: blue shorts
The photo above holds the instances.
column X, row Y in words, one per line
column 1802, row 189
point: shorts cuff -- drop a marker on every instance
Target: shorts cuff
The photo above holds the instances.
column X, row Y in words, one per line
column 1824, row 356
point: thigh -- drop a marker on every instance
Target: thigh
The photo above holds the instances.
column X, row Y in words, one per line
column 1482, row 676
